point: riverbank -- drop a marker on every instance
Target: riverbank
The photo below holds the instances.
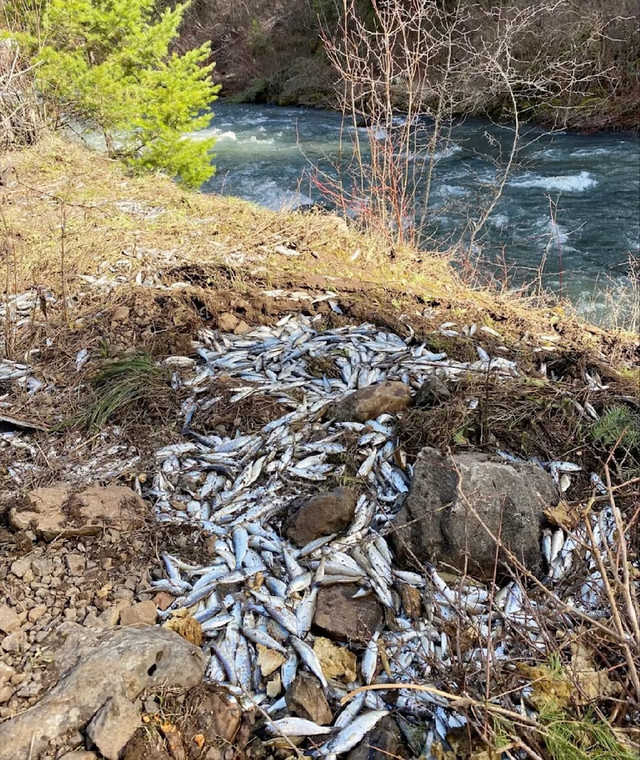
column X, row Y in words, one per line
column 121, row 295
column 580, row 246
column 585, row 58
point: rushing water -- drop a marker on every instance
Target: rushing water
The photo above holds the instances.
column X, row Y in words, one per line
column 575, row 198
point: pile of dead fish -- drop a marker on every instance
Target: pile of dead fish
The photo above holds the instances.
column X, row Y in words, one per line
column 259, row 594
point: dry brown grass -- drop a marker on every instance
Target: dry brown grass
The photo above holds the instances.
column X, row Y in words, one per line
column 62, row 195
column 175, row 260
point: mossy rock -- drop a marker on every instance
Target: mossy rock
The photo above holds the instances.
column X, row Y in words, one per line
column 256, row 92
column 304, row 82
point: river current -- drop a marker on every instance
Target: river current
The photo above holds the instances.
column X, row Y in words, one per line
column 571, row 199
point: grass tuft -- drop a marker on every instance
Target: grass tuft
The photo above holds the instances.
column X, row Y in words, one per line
column 587, row 739
column 618, row 426
column 121, row 385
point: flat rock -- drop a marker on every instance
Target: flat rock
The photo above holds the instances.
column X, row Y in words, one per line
column 113, row 725
column 241, row 328
column 383, row 742
column 94, row 667
column 56, row 511
column 369, row 403
column 9, row 620
column 442, row 518
column 76, row 563
column 143, row 613
column 306, row 699
column 340, row 617
column 321, row 515
column 163, row 600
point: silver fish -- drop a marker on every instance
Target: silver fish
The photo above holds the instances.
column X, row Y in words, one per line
column 309, row 658
column 353, row 733
column 262, row 637
column 289, row 670
column 370, row 659
column 298, row 727
column 240, row 545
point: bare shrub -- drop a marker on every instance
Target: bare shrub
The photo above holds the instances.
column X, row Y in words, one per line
column 432, row 61
column 21, row 114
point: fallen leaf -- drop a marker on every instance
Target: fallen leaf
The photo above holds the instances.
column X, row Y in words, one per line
column 594, row 684
column 274, row 686
column 336, row 661
column 199, row 740
column 563, row 515
column 256, row 581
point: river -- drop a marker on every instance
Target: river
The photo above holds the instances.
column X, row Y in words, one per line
column 572, row 198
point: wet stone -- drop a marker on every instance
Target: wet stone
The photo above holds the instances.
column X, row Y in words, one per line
column 340, row 617
column 321, row 515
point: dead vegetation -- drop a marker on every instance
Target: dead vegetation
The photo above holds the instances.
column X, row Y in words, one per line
column 21, row 117
column 531, row 416
column 129, row 269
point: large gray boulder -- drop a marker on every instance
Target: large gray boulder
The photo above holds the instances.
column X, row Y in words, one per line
column 99, row 671
column 456, row 502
